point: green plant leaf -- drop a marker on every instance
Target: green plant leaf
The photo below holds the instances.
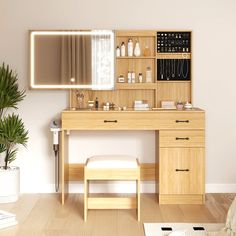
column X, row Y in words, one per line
column 2, row 148
column 11, row 156
column 12, row 131
column 10, row 94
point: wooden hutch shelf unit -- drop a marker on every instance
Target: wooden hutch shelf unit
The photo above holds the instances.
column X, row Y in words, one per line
column 179, row 169
column 158, row 90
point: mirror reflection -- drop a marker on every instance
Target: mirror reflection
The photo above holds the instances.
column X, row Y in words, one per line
column 72, row 59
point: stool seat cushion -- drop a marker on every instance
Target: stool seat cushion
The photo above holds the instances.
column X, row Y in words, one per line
column 112, row 161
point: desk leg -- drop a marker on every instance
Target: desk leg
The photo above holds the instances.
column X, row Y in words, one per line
column 85, row 199
column 157, row 164
column 138, row 198
column 64, row 166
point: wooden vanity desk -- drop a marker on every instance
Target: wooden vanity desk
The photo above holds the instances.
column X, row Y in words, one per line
column 180, row 147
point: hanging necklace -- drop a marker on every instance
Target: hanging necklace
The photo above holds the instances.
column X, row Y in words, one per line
column 161, row 68
column 173, row 67
column 185, row 75
column 168, row 72
column 178, row 67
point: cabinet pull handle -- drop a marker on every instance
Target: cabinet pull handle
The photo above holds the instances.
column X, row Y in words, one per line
column 110, row 121
column 181, row 121
column 181, row 169
column 178, row 138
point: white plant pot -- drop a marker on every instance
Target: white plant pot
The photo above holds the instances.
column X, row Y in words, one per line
column 9, row 184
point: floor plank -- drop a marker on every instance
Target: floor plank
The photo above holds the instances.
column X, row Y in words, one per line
column 43, row 215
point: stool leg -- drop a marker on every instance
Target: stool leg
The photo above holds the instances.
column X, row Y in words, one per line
column 138, row 198
column 85, row 199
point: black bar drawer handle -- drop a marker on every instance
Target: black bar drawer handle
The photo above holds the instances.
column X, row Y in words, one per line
column 178, row 138
column 182, row 121
column 181, row 169
column 110, row 121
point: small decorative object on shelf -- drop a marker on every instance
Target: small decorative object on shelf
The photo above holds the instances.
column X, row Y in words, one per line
column 129, row 77
column 133, row 77
column 179, row 105
column 106, row 107
column 130, row 48
column 96, row 103
column 90, row 104
column 121, row 79
column 146, row 51
column 140, row 77
column 188, row 105
column 168, row 105
column 118, row 51
column 148, row 75
column 141, row 105
column 122, row 49
column 137, row 50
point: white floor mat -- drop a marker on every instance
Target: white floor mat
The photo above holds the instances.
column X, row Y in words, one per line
column 181, row 229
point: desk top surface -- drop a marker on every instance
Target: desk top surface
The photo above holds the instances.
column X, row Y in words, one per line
column 131, row 110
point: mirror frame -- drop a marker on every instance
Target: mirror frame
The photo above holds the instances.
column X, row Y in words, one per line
column 34, row 33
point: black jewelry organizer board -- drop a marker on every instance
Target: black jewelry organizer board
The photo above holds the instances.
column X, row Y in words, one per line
column 169, row 42
column 173, row 69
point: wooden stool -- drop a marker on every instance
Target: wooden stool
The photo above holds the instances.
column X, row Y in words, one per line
column 111, row 167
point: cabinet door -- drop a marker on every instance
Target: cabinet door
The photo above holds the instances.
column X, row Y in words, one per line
column 182, row 171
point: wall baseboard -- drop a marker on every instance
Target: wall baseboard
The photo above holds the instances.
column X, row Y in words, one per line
column 220, row 188
column 146, row 187
column 121, row 187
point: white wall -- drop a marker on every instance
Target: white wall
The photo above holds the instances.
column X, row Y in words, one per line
column 214, row 38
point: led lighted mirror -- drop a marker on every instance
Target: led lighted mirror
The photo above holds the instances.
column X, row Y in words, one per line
column 72, row 59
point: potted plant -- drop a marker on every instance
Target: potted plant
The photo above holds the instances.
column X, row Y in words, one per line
column 12, row 134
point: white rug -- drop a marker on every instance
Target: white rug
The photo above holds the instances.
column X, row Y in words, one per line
column 181, row 229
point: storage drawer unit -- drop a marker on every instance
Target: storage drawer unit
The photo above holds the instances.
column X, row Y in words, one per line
column 182, row 160
column 182, row 138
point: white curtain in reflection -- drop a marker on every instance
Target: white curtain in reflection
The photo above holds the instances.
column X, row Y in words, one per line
column 101, row 58
column 76, row 59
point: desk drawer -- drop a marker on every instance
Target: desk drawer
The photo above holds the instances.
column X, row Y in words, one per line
column 149, row 120
column 107, row 121
column 181, row 170
column 181, row 138
column 182, row 120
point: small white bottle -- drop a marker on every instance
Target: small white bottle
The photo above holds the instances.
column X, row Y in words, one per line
column 130, row 48
column 148, row 75
column 122, row 49
column 129, row 77
column 137, row 50
column 140, row 77
column 133, row 77
column 118, row 51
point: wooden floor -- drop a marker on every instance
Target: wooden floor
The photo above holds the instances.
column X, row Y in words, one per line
column 43, row 214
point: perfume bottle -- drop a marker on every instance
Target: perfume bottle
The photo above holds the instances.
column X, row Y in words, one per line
column 148, row 75
column 122, row 49
column 137, row 50
column 147, row 51
column 140, row 77
column 96, row 103
column 129, row 77
column 133, row 77
column 130, row 48
column 118, row 51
